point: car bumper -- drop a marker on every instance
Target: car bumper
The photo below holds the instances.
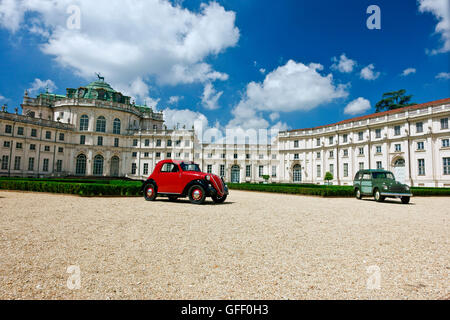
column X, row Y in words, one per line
column 213, row 192
column 389, row 194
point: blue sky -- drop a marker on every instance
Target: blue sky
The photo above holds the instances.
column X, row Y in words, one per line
column 243, row 63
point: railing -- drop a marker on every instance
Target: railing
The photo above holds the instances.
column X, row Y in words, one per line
column 36, row 121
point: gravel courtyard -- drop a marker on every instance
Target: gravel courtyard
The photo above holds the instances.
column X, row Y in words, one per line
column 255, row 246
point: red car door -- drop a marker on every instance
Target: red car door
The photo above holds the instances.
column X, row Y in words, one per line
column 167, row 178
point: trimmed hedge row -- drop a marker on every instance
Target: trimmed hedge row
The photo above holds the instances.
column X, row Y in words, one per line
column 81, row 189
column 327, row 191
column 323, row 191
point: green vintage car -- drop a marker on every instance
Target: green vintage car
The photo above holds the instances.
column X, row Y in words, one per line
column 380, row 184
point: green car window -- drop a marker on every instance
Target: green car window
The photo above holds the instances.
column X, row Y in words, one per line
column 383, row 175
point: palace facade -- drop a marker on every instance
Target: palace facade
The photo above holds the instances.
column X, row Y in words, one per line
column 97, row 131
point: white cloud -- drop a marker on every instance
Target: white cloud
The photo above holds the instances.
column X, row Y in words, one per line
column 175, row 99
column 262, row 71
column 408, row 71
column 210, row 97
column 184, row 117
column 274, row 116
column 128, row 40
column 443, row 75
column 441, row 10
column 357, row 106
column 368, row 73
column 291, row 87
column 139, row 91
column 343, row 64
column 40, row 85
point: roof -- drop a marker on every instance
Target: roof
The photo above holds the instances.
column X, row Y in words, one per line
column 380, row 114
column 100, row 85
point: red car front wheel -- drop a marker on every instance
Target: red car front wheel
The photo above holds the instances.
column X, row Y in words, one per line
column 197, row 194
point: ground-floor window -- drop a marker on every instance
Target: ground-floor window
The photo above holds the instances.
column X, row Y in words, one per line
column 345, row 169
column 446, row 165
column 45, row 166
column 114, row 167
column 421, row 165
column 145, row 168
column 133, row 168
column 98, row 165
column 297, row 173
column 379, row 165
column 209, row 168
column 261, row 171
column 59, row 164
column 319, row 171
column 5, row 161
column 274, row 171
column 248, row 171
column 361, row 166
column 30, row 164
column 222, row 170
column 80, row 167
column 17, row 163
column 332, row 169
column 235, row 174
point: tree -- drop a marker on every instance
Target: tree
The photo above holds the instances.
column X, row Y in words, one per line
column 328, row 177
column 394, row 100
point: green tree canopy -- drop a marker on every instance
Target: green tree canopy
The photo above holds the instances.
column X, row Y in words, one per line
column 329, row 177
column 394, row 100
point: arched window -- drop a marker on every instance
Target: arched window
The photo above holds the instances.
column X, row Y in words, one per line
column 297, row 173
column 116, row 126
column 98, row 165
column 84, row 123
column 114, row 166
column 101, row 124
column 80, row 167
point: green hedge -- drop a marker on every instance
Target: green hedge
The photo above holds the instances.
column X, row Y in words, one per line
column 311, row 190
column 82, row 189
column 327, row 191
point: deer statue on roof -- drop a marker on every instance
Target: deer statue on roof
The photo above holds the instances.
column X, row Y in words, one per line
column 100, row 77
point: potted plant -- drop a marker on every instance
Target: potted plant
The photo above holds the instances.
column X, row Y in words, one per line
column 328, row 177
column 266, row 178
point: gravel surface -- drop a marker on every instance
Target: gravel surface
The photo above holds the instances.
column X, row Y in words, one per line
column 255, row 246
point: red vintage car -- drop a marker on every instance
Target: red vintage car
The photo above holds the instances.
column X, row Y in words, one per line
column 180, row 179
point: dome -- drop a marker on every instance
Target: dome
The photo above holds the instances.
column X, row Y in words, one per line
column 100, row 85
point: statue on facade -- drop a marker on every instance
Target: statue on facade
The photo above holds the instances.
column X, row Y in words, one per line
column 100, row 78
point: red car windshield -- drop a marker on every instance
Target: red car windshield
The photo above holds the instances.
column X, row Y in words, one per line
column 190, row 167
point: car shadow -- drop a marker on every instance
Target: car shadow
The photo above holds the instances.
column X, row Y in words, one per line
column 390, row 202
column 184, row 201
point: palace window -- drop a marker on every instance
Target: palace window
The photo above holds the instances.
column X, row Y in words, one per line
column 420, row 145
column 116, row 126
column 318, row 142
column 397, row 130
column 82, row 140
column 248, row 171
column 361, row 151
column 30, row 164
column 169, row 155
column 261, row 157
column 398, row 148
column 296, row 156
column 116, row 142
column 147, row 142
column 45, row 165
column 169, row 143
column 98, row 165
column 345, row 138
column 235, row 156
column 360, row 136
column 318, row 155
column 135, row 142
column 378, row 149
column 133, row 168
column 48, row 135
column 319, row 171
column 261, row 171
column 158, row 155
column 60, row 150
column 17, row 163
column 100, row 141
column 222, row 170
column 446, row 162
column 8, row 129
column 146, row 155
column 296, row 144
column 158, row 143
column 101, row 124
column 80, row 166
column 187, row 143
column 274, row 171
column 331, row 154
column 209, row 168
column 345, row 152
column 378, row 133
column 345, row 169
column 47, row 148
column 332, row 169
column 444, row 124
column 134, row 155
column 84, row 123
column 361, row 166
column 421, row 166
column 34, row 133
column 5, row 161
column 20, row 131
column 32, row 147
column 59, row 165
column 18, row 145
column 331, row 140
column 445, row 143
column 379, row 165
column 6, row 144
column 61, row 137
column 419, row 127
column 145, row 168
